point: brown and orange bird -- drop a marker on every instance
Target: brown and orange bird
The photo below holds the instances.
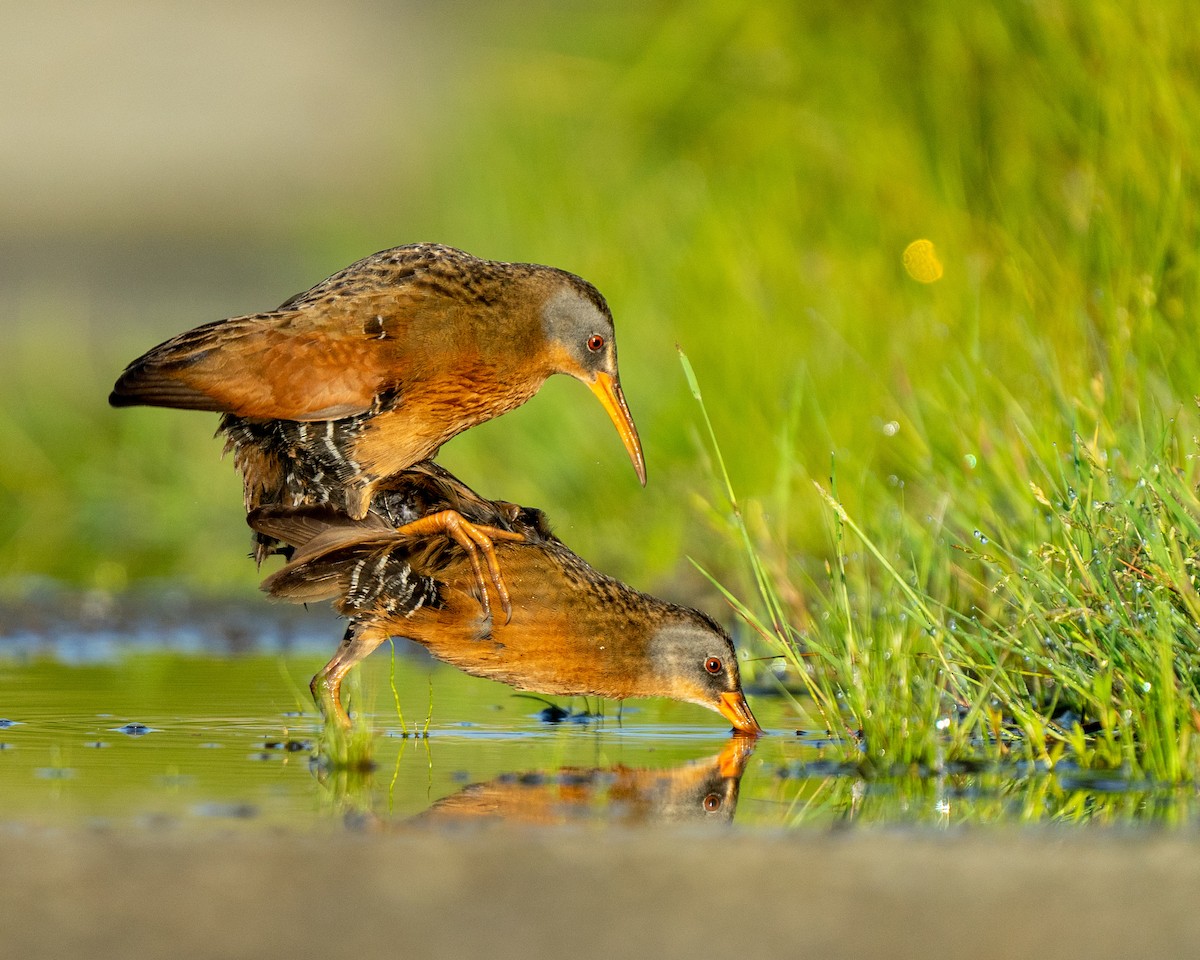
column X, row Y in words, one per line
column 573, row 630
column 373, row 369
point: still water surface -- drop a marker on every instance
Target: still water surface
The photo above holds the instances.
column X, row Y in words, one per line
column 99, row 730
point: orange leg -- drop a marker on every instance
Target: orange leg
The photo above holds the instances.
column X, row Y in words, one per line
column 474, row 539
column 326, row 686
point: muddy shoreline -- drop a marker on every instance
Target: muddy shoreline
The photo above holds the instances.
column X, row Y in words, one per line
column 576, row 893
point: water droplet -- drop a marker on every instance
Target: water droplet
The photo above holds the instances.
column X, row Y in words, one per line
column 970, row 460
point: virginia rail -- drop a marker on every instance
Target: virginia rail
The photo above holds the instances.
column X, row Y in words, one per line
column 373, row 369
column 573, row 630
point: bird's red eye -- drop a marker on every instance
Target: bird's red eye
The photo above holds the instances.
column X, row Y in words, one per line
column 713, row 665
column 712, row 802
column 595, row 342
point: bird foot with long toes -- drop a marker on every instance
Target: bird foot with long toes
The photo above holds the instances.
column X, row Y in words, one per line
column 326, row 694
column 474, row 538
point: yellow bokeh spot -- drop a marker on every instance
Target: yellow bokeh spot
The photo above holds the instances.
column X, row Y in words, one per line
column 921, row 261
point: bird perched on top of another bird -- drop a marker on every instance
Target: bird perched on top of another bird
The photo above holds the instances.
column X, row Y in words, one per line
column 333, row 404
column 373, row 369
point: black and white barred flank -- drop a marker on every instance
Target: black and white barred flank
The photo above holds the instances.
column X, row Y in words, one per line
column 384, row 583
column 315, row 459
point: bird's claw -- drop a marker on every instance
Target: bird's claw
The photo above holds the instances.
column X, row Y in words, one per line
column 474, row 539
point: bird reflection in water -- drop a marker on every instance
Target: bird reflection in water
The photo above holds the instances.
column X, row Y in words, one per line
column 572, row 631
column 698, row 791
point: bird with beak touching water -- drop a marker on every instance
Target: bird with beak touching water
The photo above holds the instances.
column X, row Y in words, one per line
column 573, row 630
column 374, row 368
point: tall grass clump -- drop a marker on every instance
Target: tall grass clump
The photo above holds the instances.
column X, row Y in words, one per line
column 1047, row 612
column 1096, row 615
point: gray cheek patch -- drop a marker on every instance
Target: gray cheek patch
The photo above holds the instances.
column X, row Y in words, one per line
column 570, row 319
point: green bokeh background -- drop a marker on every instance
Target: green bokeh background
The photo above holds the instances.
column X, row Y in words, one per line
column 740, row 179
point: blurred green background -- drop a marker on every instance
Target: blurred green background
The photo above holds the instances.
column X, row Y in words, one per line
column 740, row 179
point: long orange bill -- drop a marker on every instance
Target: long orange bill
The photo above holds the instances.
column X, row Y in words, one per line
column 607, row 389
column 736, row 710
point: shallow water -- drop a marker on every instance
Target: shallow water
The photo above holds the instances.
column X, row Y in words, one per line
column 103, row 724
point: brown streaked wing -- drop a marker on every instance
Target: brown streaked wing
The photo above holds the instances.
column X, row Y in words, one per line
column 324, row 363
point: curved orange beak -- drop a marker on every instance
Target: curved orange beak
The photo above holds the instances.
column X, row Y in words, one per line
column 607, row 389
column 736, row 710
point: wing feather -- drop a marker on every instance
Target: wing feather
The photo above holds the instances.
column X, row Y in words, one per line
column 326, row 361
